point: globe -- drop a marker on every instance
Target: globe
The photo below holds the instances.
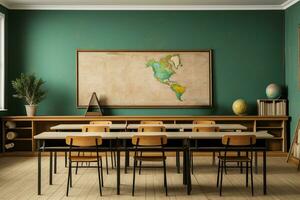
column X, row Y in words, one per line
column 239, row 107
column 273, row 91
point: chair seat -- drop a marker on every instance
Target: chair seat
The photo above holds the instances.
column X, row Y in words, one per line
column 84, row 158
column 151, row 158
column 235, row 158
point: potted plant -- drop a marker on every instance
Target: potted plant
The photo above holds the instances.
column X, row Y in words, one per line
column 28, row 87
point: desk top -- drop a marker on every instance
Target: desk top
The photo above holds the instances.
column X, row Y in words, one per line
column 190, row 126
column 135, row 126
column 79, row 126
column 129, row 135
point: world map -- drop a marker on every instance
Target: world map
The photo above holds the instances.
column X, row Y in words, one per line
column 164, row 79
column 164, row 69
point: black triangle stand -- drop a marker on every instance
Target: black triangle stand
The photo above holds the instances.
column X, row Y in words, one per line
column 94, row 110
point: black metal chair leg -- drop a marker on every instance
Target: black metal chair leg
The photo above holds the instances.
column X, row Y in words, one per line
column 112, row 159
column 102, row 179
column 71, row 181
column 106, row 162
column 115, row 159
column 133, row 183
column 221, row 180
column 99, row 179
column 68, row 182
column 251, row 176
column 218, row 177
column 178, row 161
column 247, row 171
column 165, row 178
column 241, row 167
column 66, row 160
column 126, row 163
column 76, row 170
column 50, row 167
column 192, row 161
column 256, row 162
column 247, row 165
column 140, row 167
column 55, row 162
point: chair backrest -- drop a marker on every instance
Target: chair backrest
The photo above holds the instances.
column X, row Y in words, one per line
column 149, row 140
column 95, row 128
column 83, row 141
column 149, row 128
column 152, row 122
column 101, row 122
column 203, row 122
column 238, row 140
column 206, row 129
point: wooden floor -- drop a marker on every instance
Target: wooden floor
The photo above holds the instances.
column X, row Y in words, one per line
column 18, row 181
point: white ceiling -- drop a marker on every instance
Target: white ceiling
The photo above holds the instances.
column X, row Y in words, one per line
column 149, row 4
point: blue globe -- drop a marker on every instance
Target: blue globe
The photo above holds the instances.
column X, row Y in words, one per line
column 273, row 91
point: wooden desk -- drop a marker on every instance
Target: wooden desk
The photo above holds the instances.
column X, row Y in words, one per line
column 62, row 127
column 30, row 126
column 129, row 135
column 186, row 136
column 190, row 126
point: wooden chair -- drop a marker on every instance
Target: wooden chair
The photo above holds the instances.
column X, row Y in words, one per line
column 145, row 127
column 202, row 129
column 236, row 143
column 152, row 122
column 84, row 141
column 112, row 153
column 154, row 143
column 203, row 122
column 101, row 122
column 96, row 128
column 149, row 128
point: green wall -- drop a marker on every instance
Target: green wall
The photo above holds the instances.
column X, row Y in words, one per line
column 248, row 51
column 292, row 23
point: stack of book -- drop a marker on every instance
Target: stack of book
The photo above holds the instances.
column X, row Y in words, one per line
column 272, row 107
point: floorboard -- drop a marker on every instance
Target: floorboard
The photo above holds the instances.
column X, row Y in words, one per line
column 18, row 181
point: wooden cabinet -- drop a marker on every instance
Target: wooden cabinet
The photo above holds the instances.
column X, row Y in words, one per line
column 17, row 135
column 27, row 127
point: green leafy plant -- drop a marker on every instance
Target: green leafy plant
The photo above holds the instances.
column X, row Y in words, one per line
column 28, row 87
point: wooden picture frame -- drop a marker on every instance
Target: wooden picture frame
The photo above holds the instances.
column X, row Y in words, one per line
column 93, row 67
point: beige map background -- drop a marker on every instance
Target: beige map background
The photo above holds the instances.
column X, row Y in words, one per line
column 122, row 79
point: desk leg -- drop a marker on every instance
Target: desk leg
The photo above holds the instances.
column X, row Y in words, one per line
column 178, row 161
column 50, row 167
column 265, row 172
column 39, row 167
column 55, row 162
column 127, row 158
column 66, row 160
column 256, row 162
column 126, row 163
column 188, row 169
column 118, row 168
column 184, row 165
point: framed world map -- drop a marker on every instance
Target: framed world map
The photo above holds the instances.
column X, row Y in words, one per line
column 145, row 78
